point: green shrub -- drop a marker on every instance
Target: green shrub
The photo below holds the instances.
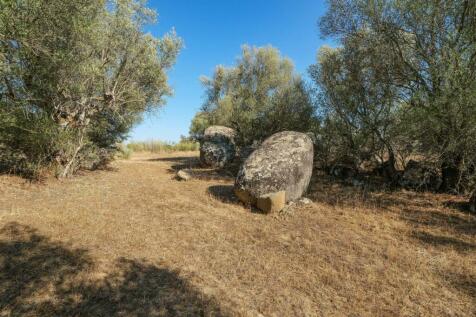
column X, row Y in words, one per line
column 124, row 152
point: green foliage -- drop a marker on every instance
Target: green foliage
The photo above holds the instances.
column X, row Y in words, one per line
column 75, row 76
column 200, row 122
column 403, row 80
column 359, row 105
column 259, row 96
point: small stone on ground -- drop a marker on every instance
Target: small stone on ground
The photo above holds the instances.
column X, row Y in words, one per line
column 183, row 175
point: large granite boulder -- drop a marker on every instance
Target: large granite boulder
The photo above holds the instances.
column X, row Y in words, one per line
column 420, row 176
column 217, row 146
column 283, row 163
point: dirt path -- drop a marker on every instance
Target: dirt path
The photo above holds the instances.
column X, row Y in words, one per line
column 133, row 241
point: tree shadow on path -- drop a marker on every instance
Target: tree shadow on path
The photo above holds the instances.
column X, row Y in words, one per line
column 193, row 167
column 179, row 162
column 39, row 277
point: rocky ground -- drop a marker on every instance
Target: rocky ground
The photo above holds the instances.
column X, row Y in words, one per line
column 135, row 241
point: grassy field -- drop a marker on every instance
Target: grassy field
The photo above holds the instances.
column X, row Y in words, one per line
column 133, row 241
column 154, row 146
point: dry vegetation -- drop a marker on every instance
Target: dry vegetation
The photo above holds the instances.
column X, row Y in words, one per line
column 157, row 146
column 133, row 241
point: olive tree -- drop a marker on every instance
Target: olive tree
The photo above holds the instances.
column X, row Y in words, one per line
column 426, row 51
column 360, row 108
column 75, row 77
column 258, row 96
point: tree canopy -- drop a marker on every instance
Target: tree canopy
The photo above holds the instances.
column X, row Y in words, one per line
column 405, row 70
column 75, row 76
column 258, row 96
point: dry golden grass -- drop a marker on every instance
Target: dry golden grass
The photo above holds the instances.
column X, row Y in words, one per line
column 133, row 241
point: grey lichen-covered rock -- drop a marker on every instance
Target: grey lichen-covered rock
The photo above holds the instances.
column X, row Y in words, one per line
column 419, row 176
column 217, row 147
column 283, row 162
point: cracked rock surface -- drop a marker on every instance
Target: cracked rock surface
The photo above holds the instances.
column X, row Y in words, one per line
column 283, row 162
column 217, row 147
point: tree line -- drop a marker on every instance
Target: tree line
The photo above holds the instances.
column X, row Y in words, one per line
column 400, row 85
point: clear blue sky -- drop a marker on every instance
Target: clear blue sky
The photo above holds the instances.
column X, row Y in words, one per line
column 213, row 32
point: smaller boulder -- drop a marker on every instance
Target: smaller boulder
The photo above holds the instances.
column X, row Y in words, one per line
column 419, row 176
column 217, row 146
column 183, row 175
column 270, row 203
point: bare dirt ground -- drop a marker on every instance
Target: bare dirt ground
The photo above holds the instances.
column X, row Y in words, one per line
column 133, row 241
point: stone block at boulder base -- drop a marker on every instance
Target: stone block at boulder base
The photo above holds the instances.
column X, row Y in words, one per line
column 272, row 202
column 217, row 146
column 283, row 162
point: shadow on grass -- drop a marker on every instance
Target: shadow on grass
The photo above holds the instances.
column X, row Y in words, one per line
column 465, row 283
column 430, row 210
column 179, row 162
column 437, row 220
column 444, row 241
column 449, row 220
column 195, row 168
column 226, row 194
column 39, row 277
column 463, row 206
column 223, row 193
